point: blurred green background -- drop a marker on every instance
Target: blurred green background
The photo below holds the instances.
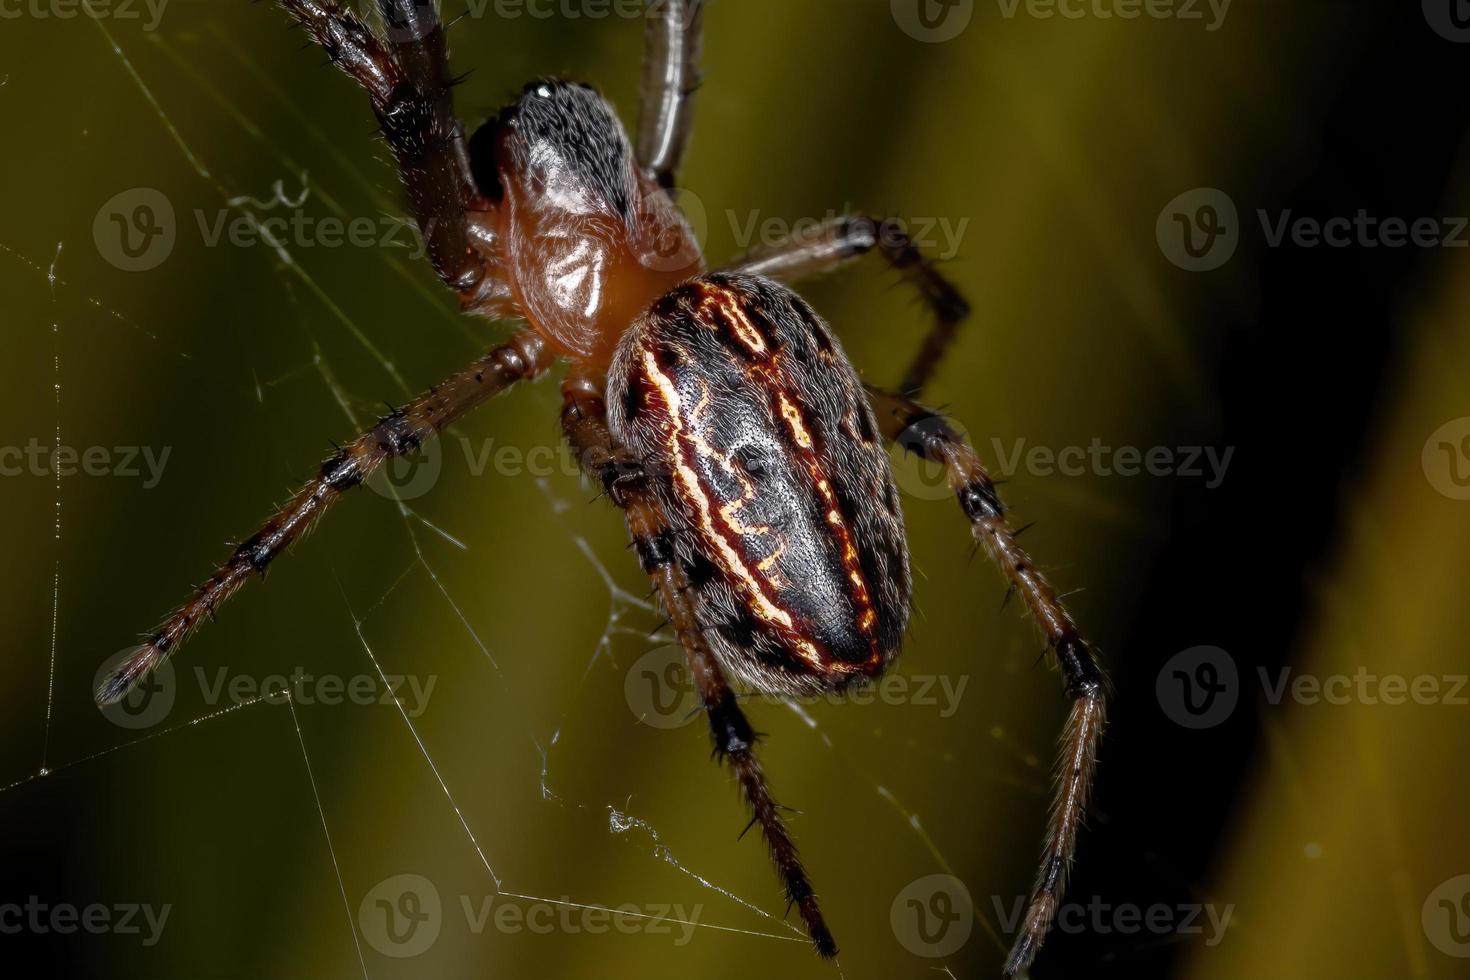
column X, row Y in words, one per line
column 551, row 753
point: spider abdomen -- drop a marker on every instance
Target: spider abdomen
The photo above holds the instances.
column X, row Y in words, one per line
column 763, row 450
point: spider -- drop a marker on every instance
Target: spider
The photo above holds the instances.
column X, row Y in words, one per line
column 716, row 408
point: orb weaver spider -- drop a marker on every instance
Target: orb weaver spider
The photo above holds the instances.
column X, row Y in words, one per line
column 716, row 409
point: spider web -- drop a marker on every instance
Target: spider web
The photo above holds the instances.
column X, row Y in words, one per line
column 555, row 744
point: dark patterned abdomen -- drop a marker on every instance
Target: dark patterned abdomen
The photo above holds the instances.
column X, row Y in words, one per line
column 763, row 450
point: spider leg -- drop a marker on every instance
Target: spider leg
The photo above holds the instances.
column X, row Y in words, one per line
column 407, row 79
column 842, row 240
column 584, row 422
column 524, row 356
column 670, row 79
column 923, row 432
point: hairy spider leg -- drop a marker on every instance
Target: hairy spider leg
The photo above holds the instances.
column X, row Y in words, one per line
column 404, row 432
column 406, row 76
column 840, row 241
column 921, row 431
column 672, row 42
column 584, row 420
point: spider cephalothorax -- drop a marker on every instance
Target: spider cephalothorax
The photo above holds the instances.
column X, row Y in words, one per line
column 717, row 409
column 579, row 240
